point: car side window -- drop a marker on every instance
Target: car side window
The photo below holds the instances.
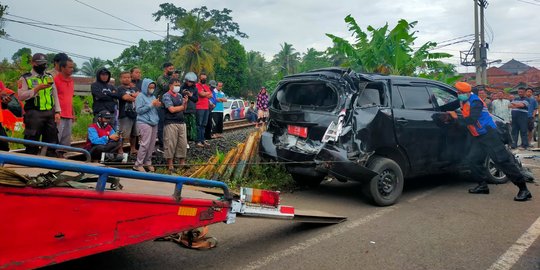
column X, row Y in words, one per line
column 441, row 96
column 416, row 97
column 396, row 99
column 234, row 105
column 241, row 104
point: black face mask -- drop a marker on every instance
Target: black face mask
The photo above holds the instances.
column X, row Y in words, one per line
column 40, row 69
column 203, row 81
column 169, row 73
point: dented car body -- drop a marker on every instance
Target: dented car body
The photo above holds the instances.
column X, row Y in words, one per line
column 374, row 129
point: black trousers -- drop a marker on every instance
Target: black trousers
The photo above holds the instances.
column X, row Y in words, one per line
column 217, row 122
column 161, row 123
column 4, row 146
column 492, row 145
column 39, row 126
column 110, row 147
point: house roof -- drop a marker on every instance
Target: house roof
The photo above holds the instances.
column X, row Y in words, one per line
column 495, row 71
column 515, row 67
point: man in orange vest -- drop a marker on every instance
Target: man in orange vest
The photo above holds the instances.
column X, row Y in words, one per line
column 486, row 141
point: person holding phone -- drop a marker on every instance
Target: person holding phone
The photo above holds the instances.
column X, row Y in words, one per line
column 42, row 107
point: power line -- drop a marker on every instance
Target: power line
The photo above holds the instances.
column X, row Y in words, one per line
column 70, row 33
column 46, row 48
column 84, row 26
column 80, row 2
column 39, row 24
column 531, row 3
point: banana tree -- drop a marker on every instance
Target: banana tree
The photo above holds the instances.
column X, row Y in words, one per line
column 387, row 51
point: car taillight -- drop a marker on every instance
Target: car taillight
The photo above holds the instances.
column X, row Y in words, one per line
column 260, row 196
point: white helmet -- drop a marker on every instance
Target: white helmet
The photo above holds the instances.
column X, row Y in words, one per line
column 190, row 76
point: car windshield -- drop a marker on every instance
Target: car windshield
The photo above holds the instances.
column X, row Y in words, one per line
column 227, row 104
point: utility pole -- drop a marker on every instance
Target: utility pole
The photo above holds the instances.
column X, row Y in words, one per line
column 167, row 44
column 480, row 47
column 477, row 46
column 483, row 47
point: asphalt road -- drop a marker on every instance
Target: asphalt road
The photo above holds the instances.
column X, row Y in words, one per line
column 435, row 225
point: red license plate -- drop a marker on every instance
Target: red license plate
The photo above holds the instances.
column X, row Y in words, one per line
column 298, row 131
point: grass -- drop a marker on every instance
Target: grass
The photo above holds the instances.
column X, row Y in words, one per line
column 264, row 176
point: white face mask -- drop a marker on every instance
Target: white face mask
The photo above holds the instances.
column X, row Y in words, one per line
column 176, row 89
column 150, row 91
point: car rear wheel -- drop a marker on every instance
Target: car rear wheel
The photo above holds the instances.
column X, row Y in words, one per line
column 495, row 176
column 385, row 188
column 307, row 180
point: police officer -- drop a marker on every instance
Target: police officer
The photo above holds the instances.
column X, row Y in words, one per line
column 42, row 108
column 486, row 140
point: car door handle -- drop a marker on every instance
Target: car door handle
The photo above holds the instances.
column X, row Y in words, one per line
column 402, row 121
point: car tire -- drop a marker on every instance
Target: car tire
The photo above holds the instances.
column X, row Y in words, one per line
column 495, row 176
column 308, row 181
column 386, row 188
column 227, row 118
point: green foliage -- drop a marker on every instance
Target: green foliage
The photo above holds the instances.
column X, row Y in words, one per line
column 267, row 176
column 149, row 56
column 286, row 61
column 19, row 53
column 314, row 59
column 258, row 72
column 11, row 72
column 233, row 73
column 223, row 26
column 80, row 127
column 200, row 50
column 90, row 67
column 387, row 51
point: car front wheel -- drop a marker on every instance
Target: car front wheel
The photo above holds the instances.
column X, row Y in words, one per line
column 386, row 187
column 227, row 118
column 495, row 176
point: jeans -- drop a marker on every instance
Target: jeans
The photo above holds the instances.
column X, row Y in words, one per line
column 202, row 118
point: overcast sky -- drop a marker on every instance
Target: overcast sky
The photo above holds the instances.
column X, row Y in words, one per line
column 512, row 24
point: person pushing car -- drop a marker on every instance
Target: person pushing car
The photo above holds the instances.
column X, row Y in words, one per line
column 486, row 140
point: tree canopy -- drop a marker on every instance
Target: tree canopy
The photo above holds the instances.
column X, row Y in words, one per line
column 223, row 25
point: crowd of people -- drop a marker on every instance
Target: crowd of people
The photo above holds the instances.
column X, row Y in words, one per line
column 521, row 112
column 152, row 115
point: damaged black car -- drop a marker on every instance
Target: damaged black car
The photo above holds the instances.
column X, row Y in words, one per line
column 375, row 129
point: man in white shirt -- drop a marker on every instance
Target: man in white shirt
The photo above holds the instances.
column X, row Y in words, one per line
column 500, row 107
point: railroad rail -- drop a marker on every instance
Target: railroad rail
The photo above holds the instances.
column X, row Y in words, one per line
column 227, row 126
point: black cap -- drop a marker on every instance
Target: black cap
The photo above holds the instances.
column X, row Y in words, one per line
column 105, row 114
column 39, row 58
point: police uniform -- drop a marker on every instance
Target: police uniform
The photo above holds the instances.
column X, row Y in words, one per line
column 40, row 109
column 486, row 140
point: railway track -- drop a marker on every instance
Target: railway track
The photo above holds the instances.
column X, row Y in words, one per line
column 227, row 126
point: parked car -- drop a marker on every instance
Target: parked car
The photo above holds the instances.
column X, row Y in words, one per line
column 375, row 129
column 234, row 109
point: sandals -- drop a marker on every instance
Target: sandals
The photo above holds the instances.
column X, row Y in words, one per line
column 139, row 168
column 151, row 168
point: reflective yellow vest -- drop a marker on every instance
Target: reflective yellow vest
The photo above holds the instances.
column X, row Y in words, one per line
column 44, row 100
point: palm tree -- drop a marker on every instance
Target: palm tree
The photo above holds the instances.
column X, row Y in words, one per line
column 199, row 49
column 387, row 51
column 287, row 59
column 314, row 59
column 90, row 67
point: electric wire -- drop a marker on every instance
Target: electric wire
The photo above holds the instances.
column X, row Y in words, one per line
column 530, row 3
column 46, row 48
column 82, row 3
column 70, row 33
column 36, row 22
column 84, row 26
